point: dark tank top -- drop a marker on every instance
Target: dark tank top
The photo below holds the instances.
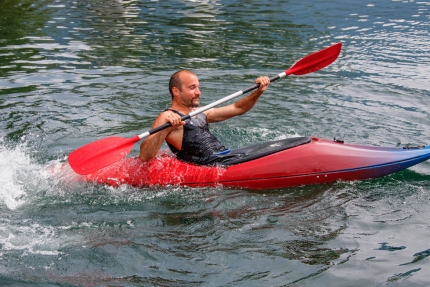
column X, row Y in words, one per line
column 199, row 145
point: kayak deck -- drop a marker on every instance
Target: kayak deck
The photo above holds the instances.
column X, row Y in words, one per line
column 264, row 149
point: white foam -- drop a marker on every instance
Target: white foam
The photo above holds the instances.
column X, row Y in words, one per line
column 14, row 164
column 29, row 237
column 33, row 239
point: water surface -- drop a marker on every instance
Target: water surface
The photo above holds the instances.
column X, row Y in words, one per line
column 75, row 71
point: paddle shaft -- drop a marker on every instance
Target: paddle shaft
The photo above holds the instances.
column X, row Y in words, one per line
column 207, row 107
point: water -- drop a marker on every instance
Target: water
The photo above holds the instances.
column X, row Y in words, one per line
column 72, row 72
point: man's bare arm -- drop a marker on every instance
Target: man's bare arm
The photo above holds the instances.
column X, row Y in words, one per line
column 240, row 107
column 152, row 144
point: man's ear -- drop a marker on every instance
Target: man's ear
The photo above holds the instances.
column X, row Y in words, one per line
column 175, row 91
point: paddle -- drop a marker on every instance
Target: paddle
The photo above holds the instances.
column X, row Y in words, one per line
column 103, row 152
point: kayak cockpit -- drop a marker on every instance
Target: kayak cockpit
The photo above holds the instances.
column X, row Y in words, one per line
column 263, row 149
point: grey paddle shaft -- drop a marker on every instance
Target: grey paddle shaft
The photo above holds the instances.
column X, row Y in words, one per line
column 207, row 107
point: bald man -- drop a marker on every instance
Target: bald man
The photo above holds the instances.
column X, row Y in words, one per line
column 192, row 141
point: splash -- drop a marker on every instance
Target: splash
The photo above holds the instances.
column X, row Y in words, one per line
column 15, row 164
column 22, row 178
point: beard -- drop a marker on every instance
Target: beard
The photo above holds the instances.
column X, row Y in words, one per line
column 195, row 102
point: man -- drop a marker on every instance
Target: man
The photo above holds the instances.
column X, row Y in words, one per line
column 192, row 141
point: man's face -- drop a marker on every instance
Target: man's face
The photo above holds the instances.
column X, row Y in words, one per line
column 189, row 94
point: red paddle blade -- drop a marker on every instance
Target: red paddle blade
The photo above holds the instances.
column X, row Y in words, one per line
column 315, row 61
column 100, row 153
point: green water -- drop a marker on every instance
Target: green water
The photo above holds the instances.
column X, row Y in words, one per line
column 72, row 72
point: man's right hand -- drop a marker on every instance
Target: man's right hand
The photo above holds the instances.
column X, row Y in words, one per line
column 174, row 119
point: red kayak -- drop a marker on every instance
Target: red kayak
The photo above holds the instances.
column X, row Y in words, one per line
column 276, row 164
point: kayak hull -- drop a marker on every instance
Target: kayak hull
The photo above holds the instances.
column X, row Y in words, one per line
column 316, row 162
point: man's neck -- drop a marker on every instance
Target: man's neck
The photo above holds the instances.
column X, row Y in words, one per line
column 182, row 109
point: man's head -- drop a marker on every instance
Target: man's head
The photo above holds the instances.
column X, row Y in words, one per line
column 175, row 80
column 184, row 84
